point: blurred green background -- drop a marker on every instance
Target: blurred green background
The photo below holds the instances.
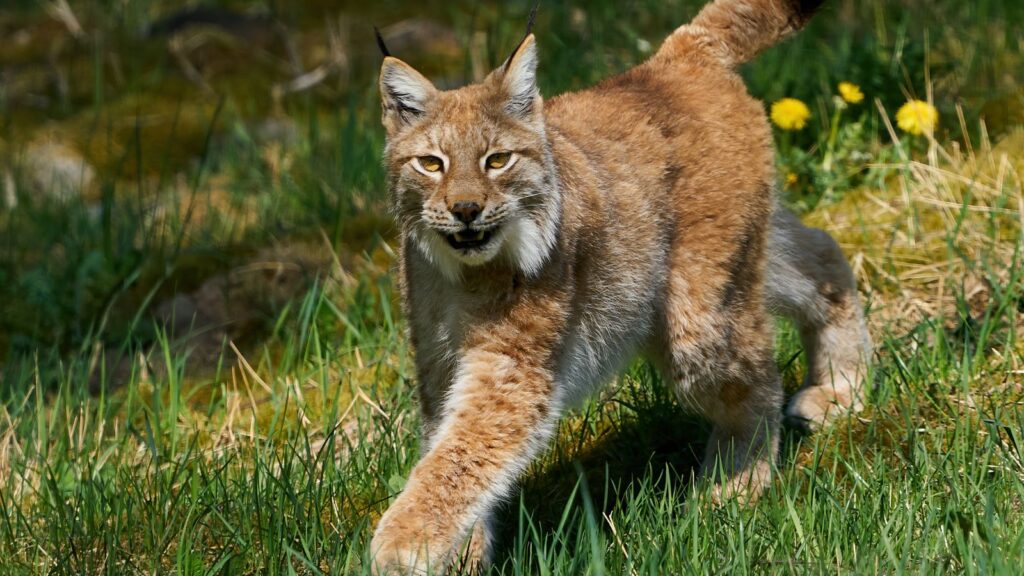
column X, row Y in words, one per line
column 148, row 145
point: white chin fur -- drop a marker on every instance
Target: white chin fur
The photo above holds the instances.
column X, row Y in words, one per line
column 529, row 244
column 439, row 253
column 523, row 241
column 478, row 257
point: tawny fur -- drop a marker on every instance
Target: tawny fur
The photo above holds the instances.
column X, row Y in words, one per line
column 633, row 217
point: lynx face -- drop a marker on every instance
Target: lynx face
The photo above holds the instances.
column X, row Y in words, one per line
column 470, row 170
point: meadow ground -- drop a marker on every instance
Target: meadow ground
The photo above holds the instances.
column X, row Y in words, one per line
column 204, row 369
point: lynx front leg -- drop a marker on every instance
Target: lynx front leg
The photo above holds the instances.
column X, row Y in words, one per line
column 477, row 552
column 500, row 412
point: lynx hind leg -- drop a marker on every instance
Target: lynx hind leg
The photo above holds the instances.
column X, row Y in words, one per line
column 809, row 281
column 744, row 441
column 721, row 363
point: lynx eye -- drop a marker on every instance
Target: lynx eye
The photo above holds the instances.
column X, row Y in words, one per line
column 498, row 160
column 431, row 164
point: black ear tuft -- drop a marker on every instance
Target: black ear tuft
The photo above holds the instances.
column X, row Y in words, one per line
column 380, row 43
column 529, row 30
column 804, row 9
column 532, row 20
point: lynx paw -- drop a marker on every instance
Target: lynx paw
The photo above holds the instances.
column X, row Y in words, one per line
column 814, row 406
column 399, row 547
column 397, row 560
column 745, row 488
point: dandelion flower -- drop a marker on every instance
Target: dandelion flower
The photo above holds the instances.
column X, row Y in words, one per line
column 790, row 114
column 917, row 117
column 791, row 179
column 851, row 92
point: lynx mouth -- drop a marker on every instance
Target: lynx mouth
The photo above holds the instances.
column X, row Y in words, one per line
column 469, row 239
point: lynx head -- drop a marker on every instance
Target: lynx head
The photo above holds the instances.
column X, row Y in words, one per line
column 470, row 170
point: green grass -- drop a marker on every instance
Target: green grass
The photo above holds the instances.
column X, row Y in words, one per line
column 151, row 480
column 282, row 462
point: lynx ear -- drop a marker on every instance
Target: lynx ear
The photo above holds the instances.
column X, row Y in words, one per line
column 404, row 92
column 520, row 80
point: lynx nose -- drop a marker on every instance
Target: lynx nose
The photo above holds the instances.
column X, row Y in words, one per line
column 466, row 212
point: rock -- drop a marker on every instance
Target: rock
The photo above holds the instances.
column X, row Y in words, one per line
column 275, row 130
column 10, row 191
column 180, row 314
column 235, row 306
column 232, row 306
column 251, row 27
column 57, row 170
column 420, row 35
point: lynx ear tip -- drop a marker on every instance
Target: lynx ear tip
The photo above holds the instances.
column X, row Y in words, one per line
column 528, row 38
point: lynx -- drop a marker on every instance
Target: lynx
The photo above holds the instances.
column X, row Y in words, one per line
column 545, row 243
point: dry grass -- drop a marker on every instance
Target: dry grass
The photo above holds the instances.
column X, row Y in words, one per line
column 944, row 230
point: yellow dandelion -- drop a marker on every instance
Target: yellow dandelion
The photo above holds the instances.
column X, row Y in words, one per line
column 790, row 114
column 851, row 92
column 791, row 179
column 917, row 117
